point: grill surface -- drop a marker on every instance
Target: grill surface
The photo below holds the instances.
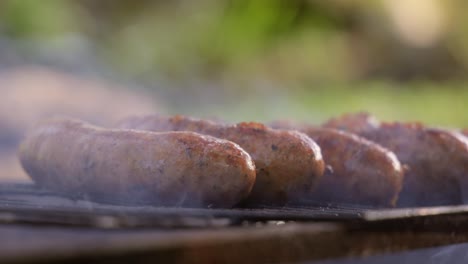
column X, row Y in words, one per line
column 27, row 203
column 39, row 226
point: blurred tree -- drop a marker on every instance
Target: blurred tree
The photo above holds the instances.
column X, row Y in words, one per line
column 283, row 41
column 39, row 19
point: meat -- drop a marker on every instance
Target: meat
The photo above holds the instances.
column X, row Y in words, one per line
column 360, row 171
column 436, row 159
column 126, row 166
column 288, row 163
column 354, row 123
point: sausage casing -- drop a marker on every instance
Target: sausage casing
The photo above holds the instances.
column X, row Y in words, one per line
column 288, row 163
column 125, row 166
column 359, row 171
column 436, row 160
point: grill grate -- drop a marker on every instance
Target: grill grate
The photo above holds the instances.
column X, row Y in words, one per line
column 26, row 203
column 79, row 231
column 30, row 204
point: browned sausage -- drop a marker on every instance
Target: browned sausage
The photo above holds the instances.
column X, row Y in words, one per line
column 125, row 166
column 360, row 171
column 437, row 160
column 288, row 162
column 354, row 122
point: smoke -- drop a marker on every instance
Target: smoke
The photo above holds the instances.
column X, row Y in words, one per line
column 32, row 93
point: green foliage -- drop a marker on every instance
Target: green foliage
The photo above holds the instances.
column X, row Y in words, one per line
column 318, row 58
column 249, row 26
column 32, row 18
column 440, row 105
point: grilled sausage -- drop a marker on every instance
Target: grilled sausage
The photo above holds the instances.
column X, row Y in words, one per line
column 354, row 122
column 288, row 163
column 437, row 160
column 125, row 166
column 360, row 171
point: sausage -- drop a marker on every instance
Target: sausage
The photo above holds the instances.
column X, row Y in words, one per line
column 359, row 171
column 354, row 122
column 169, row 169
column 288, row 163
column 436, row 159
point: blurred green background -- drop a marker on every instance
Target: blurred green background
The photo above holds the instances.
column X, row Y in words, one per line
column 260, row 60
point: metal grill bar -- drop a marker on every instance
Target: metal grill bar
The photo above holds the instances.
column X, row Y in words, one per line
column 26, row 203
column 355, row 231
column 29, row 204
